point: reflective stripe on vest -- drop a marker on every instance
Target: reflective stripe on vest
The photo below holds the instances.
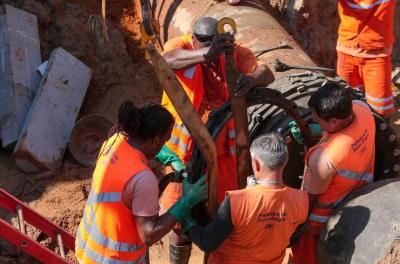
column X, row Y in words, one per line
column 367, row 6
column 104, row 260
column 352, row 175
column 94, row 231
column 318, row 218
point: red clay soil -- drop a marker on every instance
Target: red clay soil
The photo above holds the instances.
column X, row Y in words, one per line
column 120, row 72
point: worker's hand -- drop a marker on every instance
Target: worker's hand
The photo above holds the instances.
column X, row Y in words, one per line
column 244, row 84
column 315, row 130
column 168, row 157
column 196, row 192
column 193, row 193
column 187, row 224
column 221, row 43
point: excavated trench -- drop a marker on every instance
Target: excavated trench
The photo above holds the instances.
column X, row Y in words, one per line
column 121, row 71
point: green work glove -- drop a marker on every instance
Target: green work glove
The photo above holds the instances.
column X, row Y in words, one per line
column 315, row 130
column 192, row 195
column 168, row 157
column 187, row 224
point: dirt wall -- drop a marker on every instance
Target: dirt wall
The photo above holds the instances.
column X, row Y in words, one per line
column 314, row 23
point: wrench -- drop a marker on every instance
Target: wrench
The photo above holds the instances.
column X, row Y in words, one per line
column 279, row 66
column 282, row 45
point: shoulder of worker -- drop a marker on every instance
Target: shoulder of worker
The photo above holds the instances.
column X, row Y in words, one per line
column 361, row 105
column 181, row 42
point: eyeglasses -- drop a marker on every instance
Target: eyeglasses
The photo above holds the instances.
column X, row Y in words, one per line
column 203, row 38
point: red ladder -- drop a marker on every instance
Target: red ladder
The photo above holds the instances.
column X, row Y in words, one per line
column 19, row 237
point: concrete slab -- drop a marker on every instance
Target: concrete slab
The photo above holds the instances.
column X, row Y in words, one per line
column 19, row 57
column 53, row 113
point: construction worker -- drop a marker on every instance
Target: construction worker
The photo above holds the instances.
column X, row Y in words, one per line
column 198, row 63
column 339, row 164
column 254, row 225
column 121, row 215
column 364, row 49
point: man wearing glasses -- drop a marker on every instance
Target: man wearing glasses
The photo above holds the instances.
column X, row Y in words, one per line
column 198, row 62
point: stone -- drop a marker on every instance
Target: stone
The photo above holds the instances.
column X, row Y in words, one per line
column 52, row 116
column 20, row 56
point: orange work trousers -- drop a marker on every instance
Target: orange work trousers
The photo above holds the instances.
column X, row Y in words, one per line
column 370, row 75
column 305, row 250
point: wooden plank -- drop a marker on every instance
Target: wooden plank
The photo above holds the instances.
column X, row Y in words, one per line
column 239, row 111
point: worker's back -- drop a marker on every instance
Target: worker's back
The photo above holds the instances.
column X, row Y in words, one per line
column 264, row 220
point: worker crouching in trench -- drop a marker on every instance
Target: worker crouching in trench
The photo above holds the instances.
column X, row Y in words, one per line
column 198, row 62
column 121, row 218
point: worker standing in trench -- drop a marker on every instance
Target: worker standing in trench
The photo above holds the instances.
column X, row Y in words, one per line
column 121, row 218
column 254, row 225
column 198, row 63
column 341, row 162
column 364, row 48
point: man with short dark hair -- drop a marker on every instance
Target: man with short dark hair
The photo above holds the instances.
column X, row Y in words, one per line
column 198, row 62
column 254, row 225
column 339, row 164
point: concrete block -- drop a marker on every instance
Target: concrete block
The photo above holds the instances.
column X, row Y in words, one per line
column 53, row 113
column 19, row 58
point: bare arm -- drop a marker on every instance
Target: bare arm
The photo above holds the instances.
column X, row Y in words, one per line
column 262, row 76
column 152, row 228
column 182, row 58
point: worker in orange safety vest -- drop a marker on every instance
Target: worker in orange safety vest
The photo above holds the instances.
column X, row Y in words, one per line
column 121, row 217
column 341, row 162
column 198, row 63
column 364, row 48
column 254, row 225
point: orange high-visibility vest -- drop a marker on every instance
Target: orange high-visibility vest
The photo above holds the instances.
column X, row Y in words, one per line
column 192, row 82
column 352, row 150
column 366, row 24
column 264, row 220
column 107, row 232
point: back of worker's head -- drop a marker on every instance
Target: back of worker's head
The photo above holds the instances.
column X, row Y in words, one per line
column 331, row 101
column 144, row 123
column 268, row 153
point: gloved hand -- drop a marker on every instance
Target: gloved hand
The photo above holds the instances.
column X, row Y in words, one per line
column 187, row 224
column 315, row 130
column 192, row 195
column 243, row 85
column 168, row 157
column 221, row 43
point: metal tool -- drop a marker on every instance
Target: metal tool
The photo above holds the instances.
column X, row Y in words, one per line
column 149, row 27
column 282, row 45
column 279, row 66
